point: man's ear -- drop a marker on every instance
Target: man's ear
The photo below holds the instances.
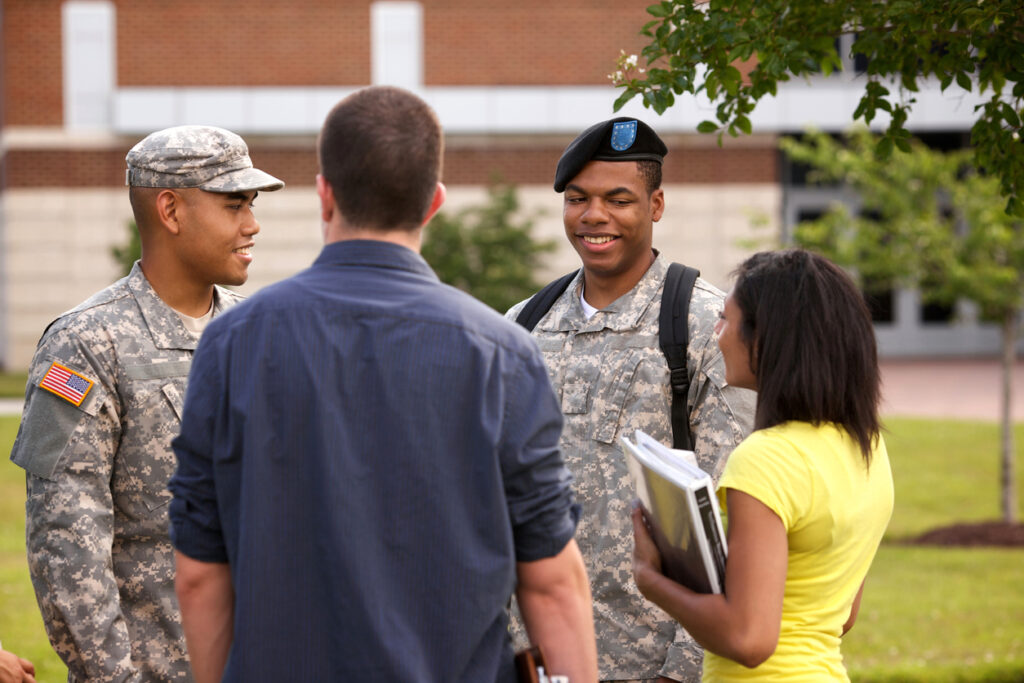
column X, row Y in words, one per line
column 657, row 204
column 168, row 205
column 326, row 194
column 440, row 194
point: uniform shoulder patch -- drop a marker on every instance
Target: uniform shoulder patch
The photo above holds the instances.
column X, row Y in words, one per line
column 66, row 383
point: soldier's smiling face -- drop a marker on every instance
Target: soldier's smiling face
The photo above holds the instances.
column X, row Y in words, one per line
column 217, row 232
column 609, row 217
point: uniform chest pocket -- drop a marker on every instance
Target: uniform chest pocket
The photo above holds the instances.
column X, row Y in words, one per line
column 601, row 390
column 153, row 403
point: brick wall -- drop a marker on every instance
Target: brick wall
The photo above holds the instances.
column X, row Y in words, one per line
column 325, row 42
column 317, row 43
column 255, row 43
column 756, row 162
column 529, row 42
column 64, row 168
column 699, row 162
column 31, row 43
column 525, row 162
column 79, row 168
column 63, row 192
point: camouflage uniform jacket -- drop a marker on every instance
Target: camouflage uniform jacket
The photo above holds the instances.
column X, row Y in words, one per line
column 612, row 378
column 99, row 551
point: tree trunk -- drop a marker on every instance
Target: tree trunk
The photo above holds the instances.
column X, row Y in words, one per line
column 1008, row 475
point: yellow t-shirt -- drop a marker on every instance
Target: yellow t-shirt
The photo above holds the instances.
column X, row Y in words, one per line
column 835, row 511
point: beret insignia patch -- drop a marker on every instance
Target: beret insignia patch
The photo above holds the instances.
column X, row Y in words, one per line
column 623, row 135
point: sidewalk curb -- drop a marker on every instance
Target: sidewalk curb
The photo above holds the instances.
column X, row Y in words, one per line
column 11, row 406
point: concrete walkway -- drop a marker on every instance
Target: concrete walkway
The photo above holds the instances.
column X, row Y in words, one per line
column 10, row 406
column 957, row 388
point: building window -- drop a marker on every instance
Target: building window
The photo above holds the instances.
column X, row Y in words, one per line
column 806, row 200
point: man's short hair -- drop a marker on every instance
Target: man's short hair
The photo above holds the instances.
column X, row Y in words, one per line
column 650, row 174
column 381, row 152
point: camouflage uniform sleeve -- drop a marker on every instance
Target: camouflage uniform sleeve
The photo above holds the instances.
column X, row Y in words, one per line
column 68, row 452
column 684, row 660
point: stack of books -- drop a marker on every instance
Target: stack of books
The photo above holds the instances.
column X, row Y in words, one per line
column 681, row 511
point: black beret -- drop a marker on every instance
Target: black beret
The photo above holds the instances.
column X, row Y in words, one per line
column 621, row 139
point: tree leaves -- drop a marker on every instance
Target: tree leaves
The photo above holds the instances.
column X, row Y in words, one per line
column 928, row 220
column 973, row 44
column 487, row 250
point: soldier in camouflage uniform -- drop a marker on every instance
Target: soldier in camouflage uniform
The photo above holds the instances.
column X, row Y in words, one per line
column 600, row 343
column 103, row 402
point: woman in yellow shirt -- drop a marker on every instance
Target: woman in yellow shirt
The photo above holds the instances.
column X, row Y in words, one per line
column 808, row 494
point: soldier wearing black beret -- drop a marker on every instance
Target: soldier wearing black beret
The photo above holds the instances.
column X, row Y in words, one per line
column 600, row 342
column 621, row 139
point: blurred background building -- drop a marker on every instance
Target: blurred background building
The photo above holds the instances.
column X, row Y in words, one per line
column 513, row 83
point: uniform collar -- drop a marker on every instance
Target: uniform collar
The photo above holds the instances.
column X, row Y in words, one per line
column 625, row 313
column 165, row 326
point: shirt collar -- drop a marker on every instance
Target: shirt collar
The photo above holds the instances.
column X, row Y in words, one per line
column 373, row 254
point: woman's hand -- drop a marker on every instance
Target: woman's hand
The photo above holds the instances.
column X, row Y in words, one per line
column 646, row 558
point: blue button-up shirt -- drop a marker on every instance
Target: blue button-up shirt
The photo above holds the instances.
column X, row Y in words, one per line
column 372, row 452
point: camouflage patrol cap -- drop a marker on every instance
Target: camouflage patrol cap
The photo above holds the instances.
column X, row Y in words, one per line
column 620, row 139
column 210, row 158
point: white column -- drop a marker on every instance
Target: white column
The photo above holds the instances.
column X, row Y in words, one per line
column 90, row 63
column 396, row 39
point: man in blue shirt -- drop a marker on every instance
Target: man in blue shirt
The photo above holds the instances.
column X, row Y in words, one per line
column 368, row 465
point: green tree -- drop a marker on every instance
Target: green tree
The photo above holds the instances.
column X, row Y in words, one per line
column 928, row 220
column 127, row 254
column 699, row 46
column 487, row 250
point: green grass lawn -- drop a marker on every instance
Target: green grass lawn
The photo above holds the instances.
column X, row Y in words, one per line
column 12, row 384
column 940, row 615
column 21, row 628
column 947, row 471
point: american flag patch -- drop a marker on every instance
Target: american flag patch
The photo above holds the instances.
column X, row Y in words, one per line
column 66, row 383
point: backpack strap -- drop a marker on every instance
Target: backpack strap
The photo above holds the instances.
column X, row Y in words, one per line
column 672, row 332
column 673, row 336
column 541, row 302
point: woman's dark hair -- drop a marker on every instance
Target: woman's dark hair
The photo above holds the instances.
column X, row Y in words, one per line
column 812, row 344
